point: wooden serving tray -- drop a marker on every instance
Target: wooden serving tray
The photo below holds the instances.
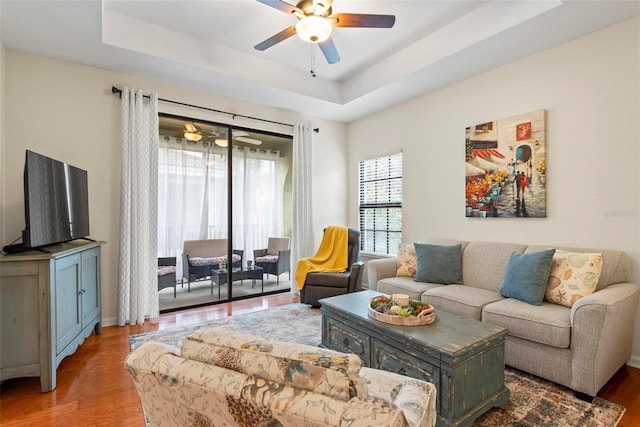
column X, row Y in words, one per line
column 404, row 321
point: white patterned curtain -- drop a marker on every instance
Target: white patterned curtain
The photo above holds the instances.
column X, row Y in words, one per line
column 137, row 263
column 302, row 244
column 193, row 196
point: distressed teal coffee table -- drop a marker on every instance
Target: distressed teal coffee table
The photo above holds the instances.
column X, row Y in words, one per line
column 463, row 358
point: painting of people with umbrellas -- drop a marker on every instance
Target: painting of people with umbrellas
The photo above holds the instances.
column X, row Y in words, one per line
column 506, row 167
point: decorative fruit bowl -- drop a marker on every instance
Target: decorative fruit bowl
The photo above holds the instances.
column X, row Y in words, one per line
column 398, row 309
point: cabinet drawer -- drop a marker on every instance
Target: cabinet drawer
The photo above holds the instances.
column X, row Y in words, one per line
column 19, row 268
column 390, row 359
column 337, row 336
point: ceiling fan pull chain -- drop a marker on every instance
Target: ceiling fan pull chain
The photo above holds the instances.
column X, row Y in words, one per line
column 313, row 61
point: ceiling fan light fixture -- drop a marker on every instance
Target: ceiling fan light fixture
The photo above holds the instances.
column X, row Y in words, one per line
column 314, row 29
column 220, row 142
column 192, row 136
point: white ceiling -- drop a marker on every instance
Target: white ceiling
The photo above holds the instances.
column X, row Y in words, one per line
column 208, row 45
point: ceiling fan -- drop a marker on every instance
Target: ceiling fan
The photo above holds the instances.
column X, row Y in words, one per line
column 220, row 138
column 191, row 132
column 315, row 21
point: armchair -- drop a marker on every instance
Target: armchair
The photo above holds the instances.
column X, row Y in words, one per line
column 276, row 258
column 167, row 273
column 322, row 285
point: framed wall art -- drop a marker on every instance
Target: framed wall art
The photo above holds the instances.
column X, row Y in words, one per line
column 506, row 167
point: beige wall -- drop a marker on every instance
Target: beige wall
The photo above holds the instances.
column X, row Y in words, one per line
column 67, row 111
column 590, row 88
column 3, row 235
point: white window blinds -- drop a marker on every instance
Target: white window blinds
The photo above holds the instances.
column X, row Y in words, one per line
column 381, row 204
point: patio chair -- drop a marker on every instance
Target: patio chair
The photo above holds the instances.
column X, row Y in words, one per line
column 167, row 273
column 276, row 258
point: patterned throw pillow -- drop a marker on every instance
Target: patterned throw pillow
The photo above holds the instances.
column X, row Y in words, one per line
column 407, row 261
column 573, row 275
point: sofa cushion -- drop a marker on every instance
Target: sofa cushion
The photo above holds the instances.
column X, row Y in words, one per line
column 484, row 263
column 573, row 275
column 407, row 261
column 439, row 263
column 315, row 369
column 548, row 323
column 405, row 285
column 465, row 301
column 526, row 276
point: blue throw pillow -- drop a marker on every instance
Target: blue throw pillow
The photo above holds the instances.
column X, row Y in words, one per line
column 527, row 275
column 439, row 264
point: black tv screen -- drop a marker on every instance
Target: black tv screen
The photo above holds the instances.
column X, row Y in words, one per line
column 56, row 201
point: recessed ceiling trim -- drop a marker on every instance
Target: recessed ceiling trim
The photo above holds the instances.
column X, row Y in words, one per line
column 139, row 36
column 473, row 28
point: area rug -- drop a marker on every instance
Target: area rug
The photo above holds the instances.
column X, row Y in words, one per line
column 534, row 401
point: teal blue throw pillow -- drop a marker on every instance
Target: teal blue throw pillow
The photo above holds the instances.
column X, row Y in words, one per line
column 527, row 275
column 438, row 263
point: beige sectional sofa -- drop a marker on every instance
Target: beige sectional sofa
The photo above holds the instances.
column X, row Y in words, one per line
column 580, row 347
column 222, row 377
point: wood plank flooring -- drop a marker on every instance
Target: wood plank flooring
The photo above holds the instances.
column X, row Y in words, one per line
column 93, row 389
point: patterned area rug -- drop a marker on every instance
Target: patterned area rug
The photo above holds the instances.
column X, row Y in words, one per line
column 534, row 401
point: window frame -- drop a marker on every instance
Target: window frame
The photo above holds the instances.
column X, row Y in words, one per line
column 388, row 168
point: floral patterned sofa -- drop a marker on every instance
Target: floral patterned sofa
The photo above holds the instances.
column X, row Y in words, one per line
column 224, row 377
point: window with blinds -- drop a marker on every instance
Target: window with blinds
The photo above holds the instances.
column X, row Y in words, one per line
column 381, row 204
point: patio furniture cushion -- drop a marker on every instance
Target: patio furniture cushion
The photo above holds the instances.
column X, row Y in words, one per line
column 200, row 261
column 267, row 258
column 163, row 270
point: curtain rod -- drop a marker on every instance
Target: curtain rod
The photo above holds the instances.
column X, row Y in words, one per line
column 115, row 90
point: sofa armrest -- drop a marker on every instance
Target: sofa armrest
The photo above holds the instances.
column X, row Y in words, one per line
column 417, row 399
column 601, row 335
column 382, row 268
column 355, row 278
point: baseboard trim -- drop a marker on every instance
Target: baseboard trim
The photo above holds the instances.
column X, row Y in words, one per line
column 634, row 361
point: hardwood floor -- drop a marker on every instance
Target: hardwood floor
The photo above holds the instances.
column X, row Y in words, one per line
column 93, row 389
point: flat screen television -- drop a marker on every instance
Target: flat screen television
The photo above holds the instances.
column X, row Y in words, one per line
column 56, row 202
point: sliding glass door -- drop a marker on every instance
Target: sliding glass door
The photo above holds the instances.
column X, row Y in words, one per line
column 219, row 184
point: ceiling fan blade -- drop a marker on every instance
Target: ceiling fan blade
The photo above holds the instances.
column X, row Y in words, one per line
column 282, row 35
column 280, row 5
column 190, row 127
column 329, row 51
column 363, row 20
column 248, row 140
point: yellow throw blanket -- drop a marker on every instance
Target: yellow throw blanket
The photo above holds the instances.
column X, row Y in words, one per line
column 331, row 255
